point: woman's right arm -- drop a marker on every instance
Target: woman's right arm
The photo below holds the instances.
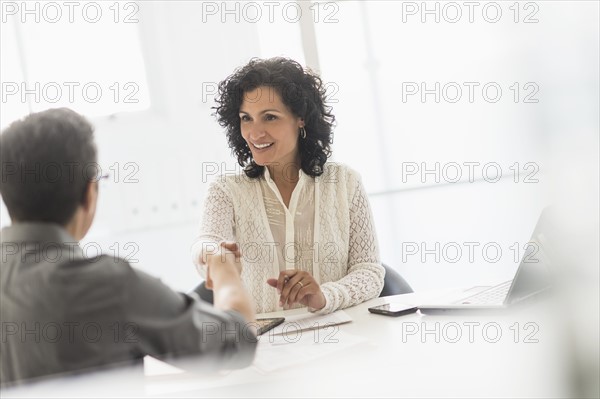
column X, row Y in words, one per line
column 216, row 226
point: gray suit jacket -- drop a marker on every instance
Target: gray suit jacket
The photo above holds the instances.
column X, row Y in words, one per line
column 62, row 312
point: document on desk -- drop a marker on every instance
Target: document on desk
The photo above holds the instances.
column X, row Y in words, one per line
column 310, row 321
column 302, row 338
column 282, row 351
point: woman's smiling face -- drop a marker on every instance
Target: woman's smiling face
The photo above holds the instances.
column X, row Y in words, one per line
column 269, row 127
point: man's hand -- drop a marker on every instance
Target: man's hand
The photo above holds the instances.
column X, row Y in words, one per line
column 223, row 276
column 223, row 261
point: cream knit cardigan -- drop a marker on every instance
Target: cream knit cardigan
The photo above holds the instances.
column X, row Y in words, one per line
column 342, row 239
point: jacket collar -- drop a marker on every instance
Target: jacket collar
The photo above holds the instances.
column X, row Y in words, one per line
column 36, row 232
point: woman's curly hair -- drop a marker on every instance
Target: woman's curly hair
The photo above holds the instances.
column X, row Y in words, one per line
column 301, row 90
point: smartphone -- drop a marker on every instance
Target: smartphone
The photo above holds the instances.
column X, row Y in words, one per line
column 393, row 309
column 265, row 325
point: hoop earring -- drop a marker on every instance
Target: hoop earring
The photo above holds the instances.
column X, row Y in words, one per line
column 303, row 132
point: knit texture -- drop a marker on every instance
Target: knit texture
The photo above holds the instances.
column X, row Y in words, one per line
column 327, row 230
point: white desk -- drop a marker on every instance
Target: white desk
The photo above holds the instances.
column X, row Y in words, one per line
column 393, row 360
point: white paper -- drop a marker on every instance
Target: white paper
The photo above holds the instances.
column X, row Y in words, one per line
column 282, row 351
column 309, row 321
column 154, row 367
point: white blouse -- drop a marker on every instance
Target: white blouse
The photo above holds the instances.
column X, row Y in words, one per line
column 327, row 230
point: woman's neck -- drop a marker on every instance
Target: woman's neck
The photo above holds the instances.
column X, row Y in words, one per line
column 285, row 178
column 285, row 175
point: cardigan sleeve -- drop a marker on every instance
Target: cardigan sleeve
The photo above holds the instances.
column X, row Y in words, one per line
column 217, row 223
column 365, row 274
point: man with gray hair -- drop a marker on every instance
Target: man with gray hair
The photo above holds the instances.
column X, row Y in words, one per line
column 62, row 311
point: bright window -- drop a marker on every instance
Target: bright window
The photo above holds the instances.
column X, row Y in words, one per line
column 89, row 61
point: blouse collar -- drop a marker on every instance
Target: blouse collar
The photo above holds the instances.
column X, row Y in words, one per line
column 301, row 175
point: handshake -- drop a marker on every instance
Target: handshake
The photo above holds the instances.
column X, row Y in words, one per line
column 222, row 264
column 293, row 286
column 223, row 277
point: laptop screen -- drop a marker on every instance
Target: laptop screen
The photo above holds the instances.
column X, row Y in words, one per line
column 533, row 274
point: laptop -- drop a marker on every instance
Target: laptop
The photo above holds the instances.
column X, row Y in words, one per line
column 532, row 279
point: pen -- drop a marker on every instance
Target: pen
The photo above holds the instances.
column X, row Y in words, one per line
column 285, row 280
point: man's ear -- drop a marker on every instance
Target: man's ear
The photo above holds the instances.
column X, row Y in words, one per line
column 90, row 197
column 84, row 215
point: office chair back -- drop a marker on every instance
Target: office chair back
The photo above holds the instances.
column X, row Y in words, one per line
column 394, row 283
column 204, row 293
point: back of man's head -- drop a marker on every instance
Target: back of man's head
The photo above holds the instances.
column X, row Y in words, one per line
column 48, row 159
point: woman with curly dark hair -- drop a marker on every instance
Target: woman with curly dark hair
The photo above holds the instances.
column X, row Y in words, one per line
column 302, row 225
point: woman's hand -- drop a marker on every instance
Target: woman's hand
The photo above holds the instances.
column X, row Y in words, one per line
column 233, row 247
column 227, row 249
column 296, row 286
